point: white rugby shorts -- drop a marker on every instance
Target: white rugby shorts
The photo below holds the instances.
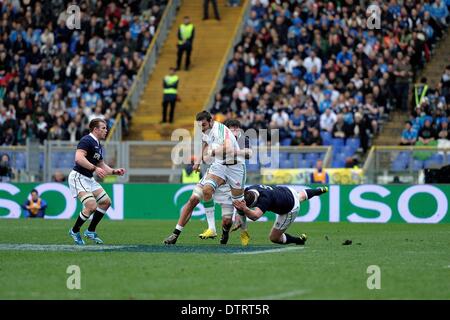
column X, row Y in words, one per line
column 235, row 175
column 283, row 221
column 80, row 183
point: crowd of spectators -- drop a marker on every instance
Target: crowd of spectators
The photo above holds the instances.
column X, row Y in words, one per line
column 54, row 80
column 314, row 67
column 429, row 121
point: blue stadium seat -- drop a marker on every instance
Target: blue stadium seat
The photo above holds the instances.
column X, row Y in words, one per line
column 337, row 142
column 338, row 164
column 21, row 161
column 437, row 157
column 253, row 167
column 432, row 163
column 417, row 164
column 348, row 151
column 326, row 138
column 353, row 142
column 286, row 164
column 304, row 163
column 312, row 157
column 296, row 155
column 286, row 142
column 398, row 166
column 41, row 160
column 284, row 156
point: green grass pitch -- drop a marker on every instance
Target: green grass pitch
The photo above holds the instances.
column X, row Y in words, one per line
column 414, row 262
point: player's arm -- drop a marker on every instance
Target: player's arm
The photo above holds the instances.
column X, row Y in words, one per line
column 81, row 160
column 226, row 147
column 253, row 214
column 109, row 170
column 246, row 153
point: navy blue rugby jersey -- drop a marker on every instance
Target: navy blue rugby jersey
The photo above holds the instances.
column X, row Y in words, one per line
column 277, row 199
column 94, row 154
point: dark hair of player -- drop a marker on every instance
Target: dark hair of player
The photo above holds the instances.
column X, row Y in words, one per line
column 95, row 123
column 249, row 197
column 204, row 115
column 232, row 123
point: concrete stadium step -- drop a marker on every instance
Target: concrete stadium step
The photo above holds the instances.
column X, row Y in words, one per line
column 440, row 59
column 211, row 43
column 391, row 132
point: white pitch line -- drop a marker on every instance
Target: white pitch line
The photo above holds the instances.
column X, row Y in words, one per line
column 281, row 295
column 270, row 250
column 55, row 247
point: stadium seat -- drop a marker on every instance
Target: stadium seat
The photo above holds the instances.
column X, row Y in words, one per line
column 417, row 164
column 286, row 164
column 354, row 143
column 284, row 156
column 21, row 161
column 348, row 151
column 286, row 142
column 398, row 166
column 337, row 142
column 326, row 138
column 312, row 157
column 338, row 164
column 253, row 167
column 304, row 164
column 432, row 163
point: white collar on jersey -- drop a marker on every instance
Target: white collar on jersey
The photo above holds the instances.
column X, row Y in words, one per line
column 95, row 138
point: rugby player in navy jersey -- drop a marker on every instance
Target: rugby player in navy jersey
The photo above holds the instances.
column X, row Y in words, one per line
column 284, row 201
column 89, row 160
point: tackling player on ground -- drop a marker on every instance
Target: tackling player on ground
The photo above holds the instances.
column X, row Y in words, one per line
column 219, row 140
column 284, row 201
column 89, row 160
column 222, row 195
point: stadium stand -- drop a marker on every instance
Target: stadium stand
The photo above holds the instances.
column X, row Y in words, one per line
column 53, row 80
column 319, row 56
column 428, row 126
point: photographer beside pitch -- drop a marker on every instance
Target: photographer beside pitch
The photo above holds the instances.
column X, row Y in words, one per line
column 89, row 160
column 284, row 201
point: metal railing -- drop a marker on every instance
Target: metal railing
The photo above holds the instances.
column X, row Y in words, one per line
column 134, row 94
column 405, row 164
column 152, row 161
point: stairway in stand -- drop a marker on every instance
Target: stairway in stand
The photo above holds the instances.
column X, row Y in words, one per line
column 392, row 130
column 211, row 43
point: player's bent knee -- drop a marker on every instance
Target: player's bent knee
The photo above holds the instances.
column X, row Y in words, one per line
column 105, row 203
column 197, row 193
column 91, row 206
column 209, row 188
column 88, row 197
column 103, row 199
column 207, row 193
column 194, row 201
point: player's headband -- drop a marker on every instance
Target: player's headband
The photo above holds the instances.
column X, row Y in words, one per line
column 256, row 197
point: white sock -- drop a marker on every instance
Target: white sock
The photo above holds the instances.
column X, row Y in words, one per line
column 243, row 223
column 210, row 218
column 179, row 228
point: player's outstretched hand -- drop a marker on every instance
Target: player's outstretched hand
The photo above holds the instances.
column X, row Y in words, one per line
column 119, row 172
column 240, row 205
column 100, row 172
